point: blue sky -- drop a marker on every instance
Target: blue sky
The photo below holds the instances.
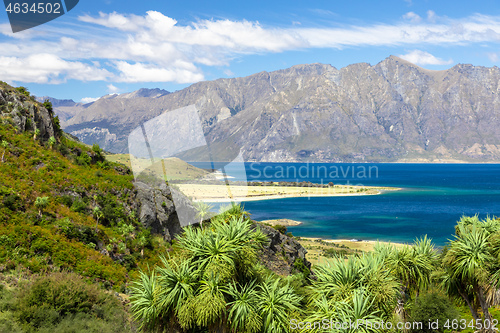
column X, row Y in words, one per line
column 113, row 46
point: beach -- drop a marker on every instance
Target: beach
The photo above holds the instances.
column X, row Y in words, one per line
column 224, row 193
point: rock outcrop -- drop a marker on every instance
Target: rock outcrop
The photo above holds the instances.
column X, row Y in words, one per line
column 281, row 252
column 156, row 209
column 21, row 109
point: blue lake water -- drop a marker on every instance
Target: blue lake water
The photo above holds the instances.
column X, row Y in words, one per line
column 433, row 198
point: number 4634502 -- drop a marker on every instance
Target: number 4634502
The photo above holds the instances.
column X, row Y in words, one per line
column 478, row 324
column 36, row 8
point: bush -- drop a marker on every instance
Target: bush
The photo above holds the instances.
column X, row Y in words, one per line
column 64, row 302
column 84, row 159
column 433, row 307
column 48, row 105
column 67, row 200
column 23, row 91
column 280, row 228
column 82, row 233
column 79, row 206
column 301, row 267
column 12, row 202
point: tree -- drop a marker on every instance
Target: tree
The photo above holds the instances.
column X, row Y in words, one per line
column 5, row 144
column 98, row 215
column 51, row 142
column 41, row 203
column 472, row 263
column 433, row 307
column 412, row 266
column 218, row 286
column 48, row 105
column 203, row 210
column 36, row 134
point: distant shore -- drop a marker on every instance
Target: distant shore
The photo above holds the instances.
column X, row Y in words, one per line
column 355, row 243
column 223, row 193
column 316, row 247
column 284, row 222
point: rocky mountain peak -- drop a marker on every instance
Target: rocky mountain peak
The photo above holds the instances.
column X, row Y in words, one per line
column 391, row 111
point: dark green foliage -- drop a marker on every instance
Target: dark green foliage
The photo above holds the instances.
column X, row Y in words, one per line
column 129, row 262
column 280, row 228
column 96, row 149
column 112, row 211
column 48, row 105
column 57, row 126
column 67, row 200
column 301, row 267
column 81, row 233
column 12, row 201
column 23, row 91
column 63, row 149
column 79, row 206
column 64, row 302
column 84, row 159
column 433, row 307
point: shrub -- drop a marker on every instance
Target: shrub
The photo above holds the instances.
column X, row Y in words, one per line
column 63, row 149
column 12, row 202
column 433, row 307
column 48, row 105
column 81, row 233
column 280, row 228
column 79, row 206
column 301, row 267
column 67, row 200
column 23, row 91
column 112, row 211
column 84, row 159
column 64, row 302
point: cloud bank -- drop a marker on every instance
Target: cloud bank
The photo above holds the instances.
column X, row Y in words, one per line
column 117, row 47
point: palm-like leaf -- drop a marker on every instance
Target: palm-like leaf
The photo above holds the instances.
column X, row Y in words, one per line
column 276, row 302
column 143, row 304
column 243, row 313
column 177, row 283
column 362, row 311
column 210, row 302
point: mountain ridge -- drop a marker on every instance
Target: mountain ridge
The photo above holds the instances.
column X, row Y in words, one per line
column 394, row 111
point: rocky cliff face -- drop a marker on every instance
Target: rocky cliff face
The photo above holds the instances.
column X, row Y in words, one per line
column 392, row 111
column 281, row 252
column 156, row 209
column 22, row 110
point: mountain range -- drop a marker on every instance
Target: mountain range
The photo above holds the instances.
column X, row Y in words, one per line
column 393, row 111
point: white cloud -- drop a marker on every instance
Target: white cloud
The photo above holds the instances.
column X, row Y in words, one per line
column 412, row 17
column 48, row 68
column 86, row 100
column 156, row 48
column 419, row 57
column 112, row 89
column 143, row 73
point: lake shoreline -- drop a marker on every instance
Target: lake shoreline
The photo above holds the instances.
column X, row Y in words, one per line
column 238, row 193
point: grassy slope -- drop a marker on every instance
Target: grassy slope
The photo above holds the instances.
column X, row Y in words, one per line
column 175, row 168
column 64, row 237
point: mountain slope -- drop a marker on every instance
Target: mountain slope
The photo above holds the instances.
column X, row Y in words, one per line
column 392, row 111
